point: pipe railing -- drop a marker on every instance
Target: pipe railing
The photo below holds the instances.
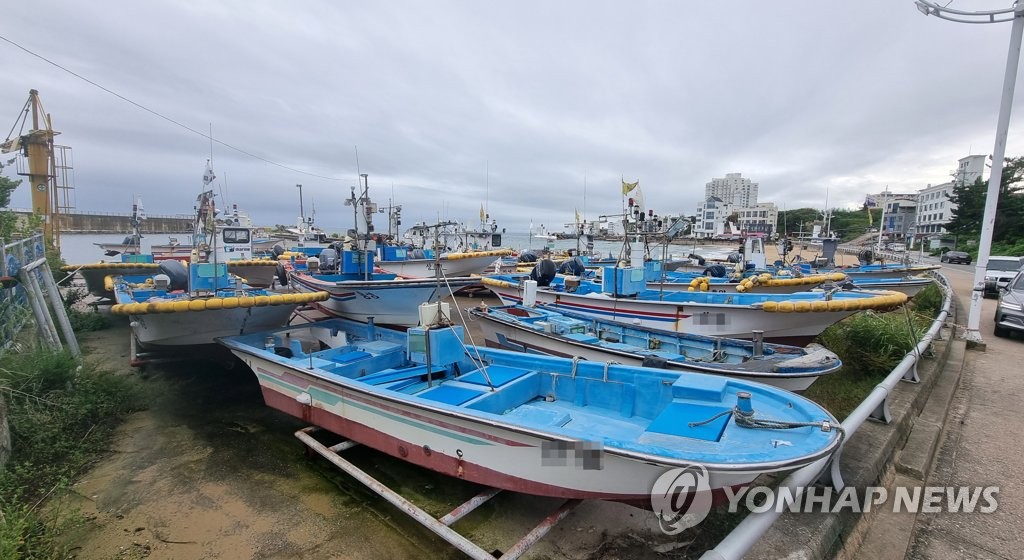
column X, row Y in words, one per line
column 742, row 538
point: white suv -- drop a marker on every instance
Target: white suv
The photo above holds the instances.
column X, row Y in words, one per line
column 998, row 273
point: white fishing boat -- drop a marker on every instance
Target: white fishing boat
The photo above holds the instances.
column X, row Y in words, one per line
column 624, row 297
column 173, row 306
column 540, row 329
column 535, row 424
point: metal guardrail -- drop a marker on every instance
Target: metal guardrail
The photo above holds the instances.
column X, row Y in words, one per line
column 876, row 406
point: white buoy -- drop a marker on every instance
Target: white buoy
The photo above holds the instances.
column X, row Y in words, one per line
column 530, row 293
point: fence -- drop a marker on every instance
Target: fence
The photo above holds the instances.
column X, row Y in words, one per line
column 14, row 306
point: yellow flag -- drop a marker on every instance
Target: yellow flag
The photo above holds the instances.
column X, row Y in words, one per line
column 626, row 187
column 482, row 215
column 577, row 215
column 870, row 219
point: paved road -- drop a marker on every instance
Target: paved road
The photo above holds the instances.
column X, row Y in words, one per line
column 981, row 446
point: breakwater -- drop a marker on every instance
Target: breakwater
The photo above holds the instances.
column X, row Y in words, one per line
column 115, row 223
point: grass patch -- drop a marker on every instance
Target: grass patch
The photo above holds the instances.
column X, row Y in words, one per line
column 61, row 415
column 870, row 345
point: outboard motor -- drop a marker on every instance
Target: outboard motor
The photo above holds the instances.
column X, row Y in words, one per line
column 734, row 257
column 543, row 273
column 867, row 256
column 176, row 273
column 700, row 260
column 527, row 257
column 328, row 260
column 277, row 250
column 716, row 271
column 572, row 267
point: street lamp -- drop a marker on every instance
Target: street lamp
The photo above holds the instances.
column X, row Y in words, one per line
column 302, row 213
column 1015, row 14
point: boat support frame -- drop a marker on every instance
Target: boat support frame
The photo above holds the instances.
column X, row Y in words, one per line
column 439, row 526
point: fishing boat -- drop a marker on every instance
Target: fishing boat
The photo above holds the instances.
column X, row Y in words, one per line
column 99, row 276
column 623, row 297
column 172, row 306
column 535, row 424
column 132, row 243
column 357, row 292
column 908, row 285
column 542, row 330
column 420, row 263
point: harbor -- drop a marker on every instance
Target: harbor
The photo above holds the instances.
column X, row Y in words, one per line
column 239, row 485
column 434, row 281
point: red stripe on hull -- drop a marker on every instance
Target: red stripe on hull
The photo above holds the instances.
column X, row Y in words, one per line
column 444, row 464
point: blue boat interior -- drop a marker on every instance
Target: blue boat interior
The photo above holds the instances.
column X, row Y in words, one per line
column 619, row 336
column 634, row 408
column 139, row 288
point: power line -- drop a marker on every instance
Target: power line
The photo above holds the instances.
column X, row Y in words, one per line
column 162, row 116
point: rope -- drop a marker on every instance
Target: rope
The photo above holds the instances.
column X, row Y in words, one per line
column 747, row 420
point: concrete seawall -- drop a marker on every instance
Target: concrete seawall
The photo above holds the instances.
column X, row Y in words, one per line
column 114, row 223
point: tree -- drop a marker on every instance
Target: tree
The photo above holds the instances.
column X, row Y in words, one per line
column 790, row 221
column 8, row 220
column 970, row 206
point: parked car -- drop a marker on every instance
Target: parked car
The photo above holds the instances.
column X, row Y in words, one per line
column 956, row 257
column 999, row 271
column 1010, row 310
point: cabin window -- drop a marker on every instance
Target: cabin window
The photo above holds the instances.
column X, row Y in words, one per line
column 236, row 236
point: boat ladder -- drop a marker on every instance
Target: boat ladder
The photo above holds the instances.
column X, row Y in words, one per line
column 439, row 526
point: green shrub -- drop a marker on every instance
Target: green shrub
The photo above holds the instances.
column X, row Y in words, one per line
column 871, row 343
column 61, row 414
column 927, row 304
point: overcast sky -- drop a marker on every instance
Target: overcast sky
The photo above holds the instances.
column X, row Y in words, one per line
column 534, row 99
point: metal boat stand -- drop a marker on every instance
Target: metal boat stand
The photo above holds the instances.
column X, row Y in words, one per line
column 439, row 526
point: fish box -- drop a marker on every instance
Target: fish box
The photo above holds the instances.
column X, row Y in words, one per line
column 395, row 253
column 356, row 262
column 627, row 281
column 567, row 325
column 445, row 345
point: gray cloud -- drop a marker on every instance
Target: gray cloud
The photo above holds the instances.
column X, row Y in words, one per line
column 454, row 104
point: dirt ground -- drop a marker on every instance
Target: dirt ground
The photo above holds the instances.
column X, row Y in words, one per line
column 208, row 471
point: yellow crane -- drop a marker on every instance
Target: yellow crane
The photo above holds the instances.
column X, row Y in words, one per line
column 46, row 170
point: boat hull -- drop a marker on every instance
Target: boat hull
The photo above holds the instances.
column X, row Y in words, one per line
column 732, row 321
column 390, row 302
column 731, row 288
column 908, row 286
column 424, row 268
column 256, row 275
column 479, row 452
column 508, row 337
column 203, row 327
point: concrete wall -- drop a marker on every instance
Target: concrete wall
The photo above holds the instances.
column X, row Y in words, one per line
column 111, row 223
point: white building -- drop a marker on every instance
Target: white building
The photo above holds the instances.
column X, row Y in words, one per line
column 758, row 218
column 714, row 213
column 711, row 216
column 935, row 209
column 732, row 189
